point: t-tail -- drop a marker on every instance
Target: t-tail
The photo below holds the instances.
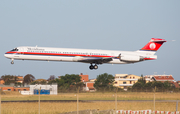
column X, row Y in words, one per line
column 154, row 44
column 151, row 48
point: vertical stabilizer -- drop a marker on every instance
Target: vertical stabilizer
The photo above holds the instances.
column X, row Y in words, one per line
column 153, row 45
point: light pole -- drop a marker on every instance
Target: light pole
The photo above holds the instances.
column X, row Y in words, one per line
column 154, row 98
column 0, row 99
column 116, row 100
column 78, row 101
column 39, row 99
column 177, row 105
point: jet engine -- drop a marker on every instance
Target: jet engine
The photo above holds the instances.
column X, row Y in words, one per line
column 130, row 58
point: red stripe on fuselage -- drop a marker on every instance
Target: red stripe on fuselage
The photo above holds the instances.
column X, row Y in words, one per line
column 55, row 54
column 149, row 59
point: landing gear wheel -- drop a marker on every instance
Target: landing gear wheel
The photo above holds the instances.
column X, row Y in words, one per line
column 12, row 62
column 95, row 67
column 91, row 67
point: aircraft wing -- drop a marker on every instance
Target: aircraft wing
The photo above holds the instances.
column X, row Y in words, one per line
column 95, row 60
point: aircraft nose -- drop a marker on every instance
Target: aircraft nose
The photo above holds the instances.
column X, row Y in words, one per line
column 7, row 55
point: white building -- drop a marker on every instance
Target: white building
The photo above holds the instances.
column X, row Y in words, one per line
column 53, row 89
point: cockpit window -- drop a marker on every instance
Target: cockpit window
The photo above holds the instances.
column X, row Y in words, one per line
column 15, row 49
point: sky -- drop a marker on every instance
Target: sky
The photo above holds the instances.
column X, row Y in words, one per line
column 125, row 25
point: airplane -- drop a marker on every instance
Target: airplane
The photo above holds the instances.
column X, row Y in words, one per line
column 92, row 56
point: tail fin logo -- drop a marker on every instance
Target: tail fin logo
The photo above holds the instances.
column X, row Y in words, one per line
column 152, row 46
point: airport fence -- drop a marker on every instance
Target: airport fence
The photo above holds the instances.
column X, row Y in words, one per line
column 121, row 112
column 116, row 103
column 91, row 112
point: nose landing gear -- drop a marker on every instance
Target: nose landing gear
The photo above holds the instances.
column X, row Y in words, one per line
column 91, row 67
column 12, row 61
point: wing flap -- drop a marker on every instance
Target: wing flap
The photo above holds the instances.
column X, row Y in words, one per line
column 96, row 60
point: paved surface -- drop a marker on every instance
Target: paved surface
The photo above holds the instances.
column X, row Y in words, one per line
column 92, row 101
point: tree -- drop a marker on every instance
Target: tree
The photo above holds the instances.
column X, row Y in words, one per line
column 71, row 79
column 18, row 84
column 43, row 82
column 68, row 82
column 158, row 84
column 52, row 77
column 53, row 81
column 137, row 85
column 142, row 80
column 104, row 81
column 167, row 85
column 9, row 79
column 34, row 82
column 28, row 79
column 148, row 86
column 140, row 84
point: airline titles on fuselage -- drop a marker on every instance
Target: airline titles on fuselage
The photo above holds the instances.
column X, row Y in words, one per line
column 38, row 50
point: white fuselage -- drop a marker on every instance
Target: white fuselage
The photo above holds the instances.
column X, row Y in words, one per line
column 75, row 55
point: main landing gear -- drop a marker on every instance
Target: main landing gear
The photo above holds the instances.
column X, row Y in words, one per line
column 91, row 67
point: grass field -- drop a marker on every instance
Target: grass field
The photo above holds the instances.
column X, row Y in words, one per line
column 57, row 107
column 94, row 96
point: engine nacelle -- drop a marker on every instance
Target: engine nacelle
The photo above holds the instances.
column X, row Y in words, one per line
column 130, row 58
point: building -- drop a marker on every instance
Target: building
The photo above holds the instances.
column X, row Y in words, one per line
column 88, row 85
column 53, row 89
column 175, row 84
column 19, row 79
column 125, row 80
column 84, row 78
column 92, row 80
column 16, row 79
column 2, row 82
column 13, row 88
column 161, row 78
column 178, row 82
column 149, row 78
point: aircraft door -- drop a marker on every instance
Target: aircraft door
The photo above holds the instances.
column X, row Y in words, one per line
column 112, row 54
column 20, row 51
